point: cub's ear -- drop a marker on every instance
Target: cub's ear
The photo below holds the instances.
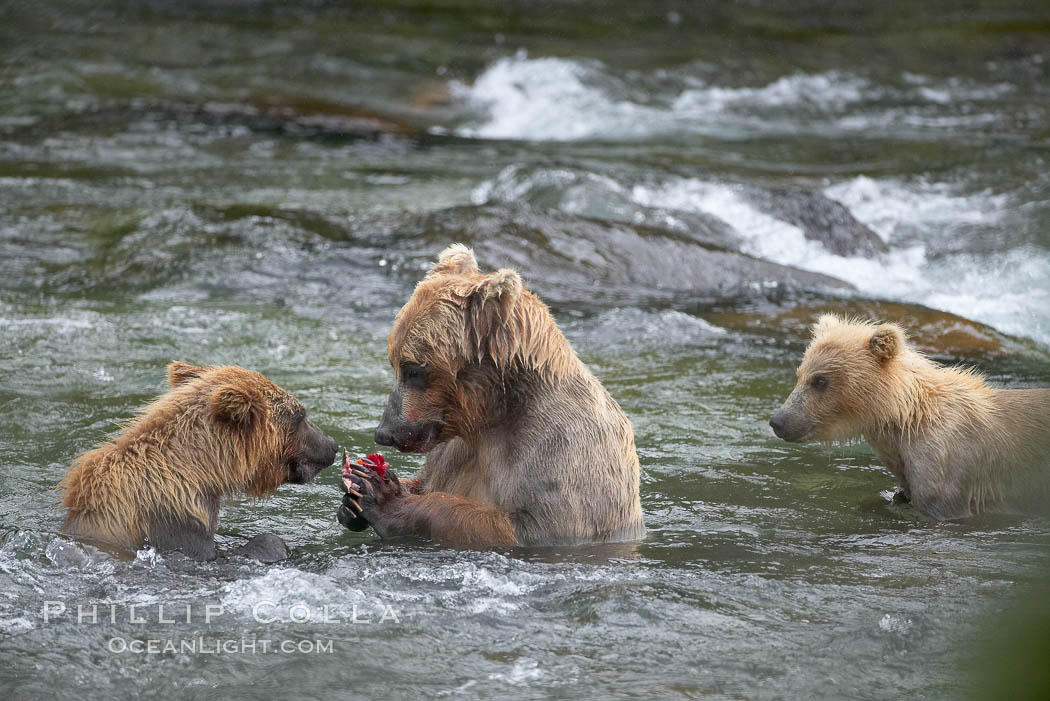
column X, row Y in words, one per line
column 238, row 406
column 457, row 259
column 179, row 372
column 489, row 312
column 886, row 342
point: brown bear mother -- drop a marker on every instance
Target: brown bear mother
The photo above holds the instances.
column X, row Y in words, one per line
column 958, row 446
column 523, row 444
column 219, row 430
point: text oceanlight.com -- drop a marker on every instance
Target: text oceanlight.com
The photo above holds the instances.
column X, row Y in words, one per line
column 218, row 646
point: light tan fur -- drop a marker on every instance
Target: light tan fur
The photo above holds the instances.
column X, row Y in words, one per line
column 958, row 446
column 218, row 431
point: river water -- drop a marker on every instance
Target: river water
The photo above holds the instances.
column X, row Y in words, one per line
column 261, row 184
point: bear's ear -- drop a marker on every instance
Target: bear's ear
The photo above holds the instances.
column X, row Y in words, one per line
column 490, row 306
column 886, row 342
column 235, row 405
column 457, row 259
column 179, row 372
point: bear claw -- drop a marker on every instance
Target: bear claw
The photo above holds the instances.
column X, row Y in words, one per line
column 377, row 492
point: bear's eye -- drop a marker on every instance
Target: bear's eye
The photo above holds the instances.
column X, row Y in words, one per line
column 414, row 375
column 820, row 382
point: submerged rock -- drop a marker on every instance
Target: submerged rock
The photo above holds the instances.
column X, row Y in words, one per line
column 694, row 207
column 301, row 118
column 570, row 258
column 820, row 218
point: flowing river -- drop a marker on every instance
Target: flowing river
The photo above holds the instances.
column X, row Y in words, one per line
column 687, row 185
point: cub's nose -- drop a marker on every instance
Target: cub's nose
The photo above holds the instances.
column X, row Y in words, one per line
column 777, row 423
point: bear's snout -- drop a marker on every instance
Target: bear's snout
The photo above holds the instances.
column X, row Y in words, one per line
column 390, row 423
column 333, row 448
column 406, row 436
column 384, row 436
column 317, row 451
column 791, row 425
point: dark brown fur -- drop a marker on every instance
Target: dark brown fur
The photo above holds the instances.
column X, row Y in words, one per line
column 218, row 431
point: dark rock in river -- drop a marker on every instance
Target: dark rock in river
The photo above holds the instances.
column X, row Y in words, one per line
column 263, row 251
column 569, row 258
column 300, row 118
column 820, row 219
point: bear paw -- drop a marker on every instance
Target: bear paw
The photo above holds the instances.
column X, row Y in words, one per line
column 349, row 513
column 372, row 494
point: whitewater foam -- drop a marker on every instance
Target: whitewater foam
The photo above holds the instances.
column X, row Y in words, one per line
column 906, row 212
column 542, row 98
column 1008, row 289
column 556, row 99
column 938, row 235
column 766, row 237
column 825, row 91
column 523, row 671
column 282, row 589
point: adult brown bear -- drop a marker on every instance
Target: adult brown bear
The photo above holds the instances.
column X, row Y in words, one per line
column 523, row 444
column 217, row 431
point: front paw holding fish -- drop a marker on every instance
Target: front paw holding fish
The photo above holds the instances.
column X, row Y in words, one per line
column 368, row 489
column 375, row 494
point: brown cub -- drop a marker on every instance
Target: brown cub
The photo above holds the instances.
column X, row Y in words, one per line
column 523, row 444
column 958, row 446
column 218, row 431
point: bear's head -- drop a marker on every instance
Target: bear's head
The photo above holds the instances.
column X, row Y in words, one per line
column 844, row 382
column 275, row 442
column 451, row 344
